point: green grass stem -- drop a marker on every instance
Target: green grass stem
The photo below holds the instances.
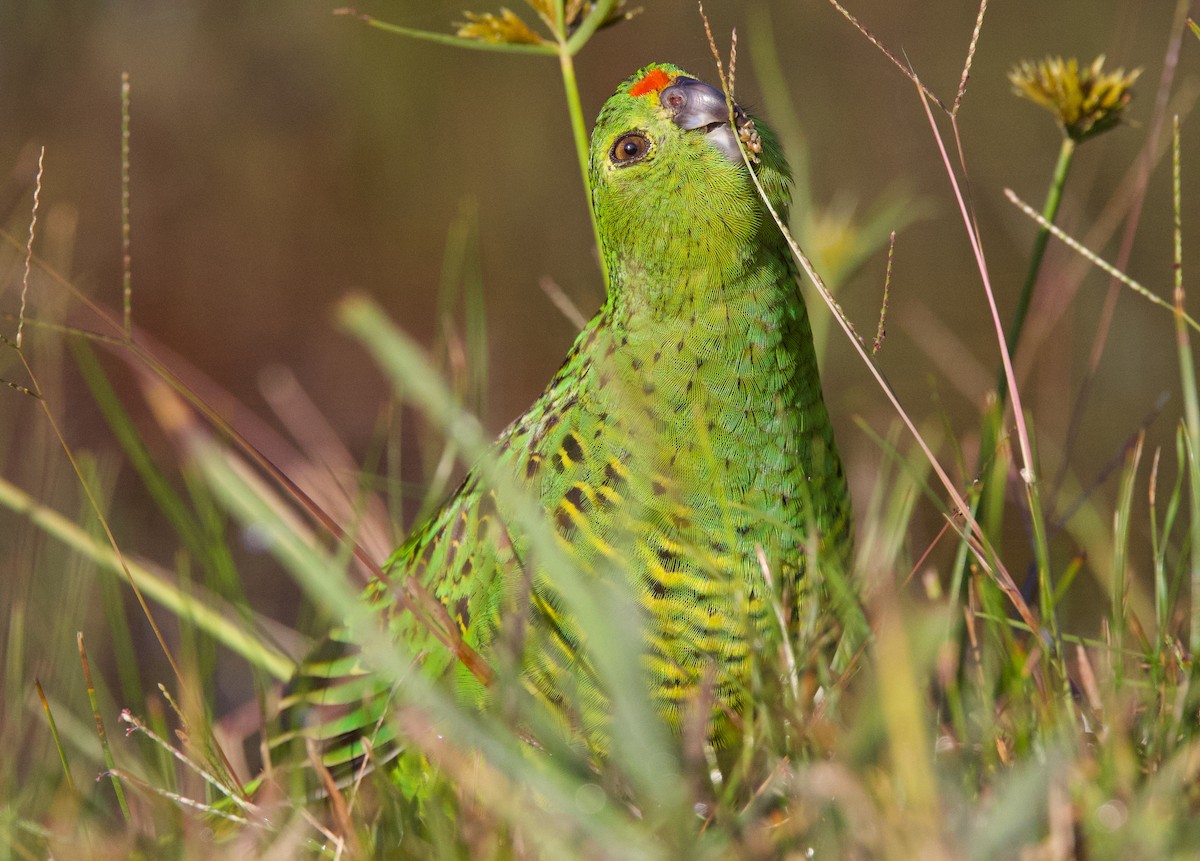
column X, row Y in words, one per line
column 62, row 754
column 1191, row 399
column 109, row 761
column 1036, row 255
column 580, row 135
column 1121, row 522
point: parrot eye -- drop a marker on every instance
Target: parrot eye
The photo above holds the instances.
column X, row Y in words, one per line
column 629, row 148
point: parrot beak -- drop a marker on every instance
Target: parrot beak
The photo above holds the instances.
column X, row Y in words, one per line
column 697, row 106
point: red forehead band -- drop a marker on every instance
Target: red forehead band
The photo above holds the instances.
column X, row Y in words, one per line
column 654, row 81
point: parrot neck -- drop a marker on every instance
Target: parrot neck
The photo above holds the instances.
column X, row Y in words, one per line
column 723, row 354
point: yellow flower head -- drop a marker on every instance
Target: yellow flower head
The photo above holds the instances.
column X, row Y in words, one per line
column 509, row 28
column 1085, row 102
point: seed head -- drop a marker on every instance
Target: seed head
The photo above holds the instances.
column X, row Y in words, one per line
column 1085, row 102
column 509, row 28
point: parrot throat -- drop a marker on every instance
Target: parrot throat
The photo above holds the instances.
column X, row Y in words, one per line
column 721, row 364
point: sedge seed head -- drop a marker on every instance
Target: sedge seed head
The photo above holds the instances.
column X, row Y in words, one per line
column 1086, row 101
column 509, row 28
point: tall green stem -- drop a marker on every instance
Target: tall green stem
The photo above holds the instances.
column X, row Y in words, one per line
column 579, row 130
column 1049, row 211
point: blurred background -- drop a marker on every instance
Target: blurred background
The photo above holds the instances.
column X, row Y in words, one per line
column 283, row 156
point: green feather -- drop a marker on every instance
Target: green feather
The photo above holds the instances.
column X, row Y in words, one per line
column 685, row 430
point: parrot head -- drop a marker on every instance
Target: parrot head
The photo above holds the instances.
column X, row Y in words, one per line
column 668, row 180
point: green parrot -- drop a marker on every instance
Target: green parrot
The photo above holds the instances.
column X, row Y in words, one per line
column 684, row 433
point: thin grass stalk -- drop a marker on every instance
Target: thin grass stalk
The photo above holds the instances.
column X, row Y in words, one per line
column 580, row 135
column 1006, row 383
column 393, row 423
column 959, row 569
column 911, row 473
column 881, row 329
column 1191, row 401
column 1048, row 607
column 112, row 598
column 588, row 27
column 1070, row 572
column 15, row 657
column 966, row 71
column 33, row 217
column 126, row 249
column 1159, row 535
column 136, row 725
column 475, row 333
column 1101, row 263
column 62, row 754
column 439, row 464
column 903, row 67
column 1158, row 656
column 1037, row 254
column 177, row 799
column 109, row 760
column 1121, row 521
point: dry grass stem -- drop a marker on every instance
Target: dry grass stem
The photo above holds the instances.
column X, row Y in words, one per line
column 966, row 72
column 37, row 194
column 1098, row 261
column 881, row 330
column 126, row 238
column 903, row 67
